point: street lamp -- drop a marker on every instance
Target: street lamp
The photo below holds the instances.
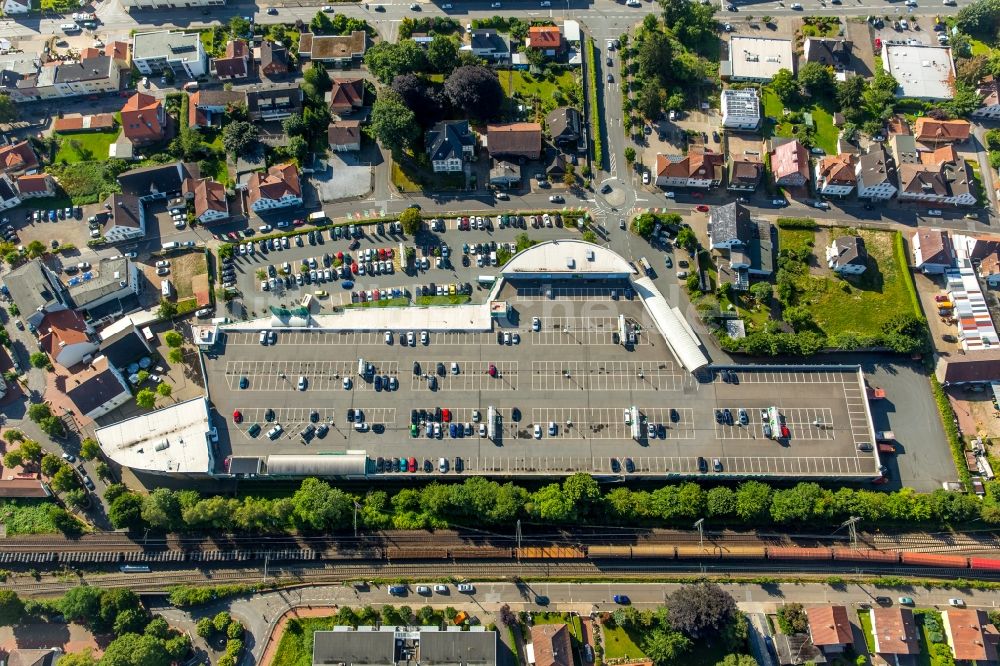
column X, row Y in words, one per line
column 700, row 525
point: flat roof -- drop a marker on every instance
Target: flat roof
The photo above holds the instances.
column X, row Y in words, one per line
column 387, row 646
column 173, row 439
column 922, row 71
column 759, row 58
column 566, row 256
column 169, row 44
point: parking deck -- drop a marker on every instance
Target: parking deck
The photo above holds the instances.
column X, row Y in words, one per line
column 571, row 378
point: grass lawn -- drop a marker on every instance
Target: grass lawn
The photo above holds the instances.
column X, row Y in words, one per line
column 400, row 302
column 976, row 176
column 925, row 658
column 451, row 299
column 795, row 239
column 411, row 179
column 85, row 146
column 528, row 85
column 618, row 644
column 826, row 133
column 26, row 517
column 295, row 648
column 874, row 297
column 183, row 270
column 84, row 182
column 978, row 47
column 866, row 628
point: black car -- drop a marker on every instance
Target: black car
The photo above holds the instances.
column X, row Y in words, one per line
column 616, row 466
column 308, row 432
column 350, row 415
column 629, row 465
column 312, row 237
column 378, row 382
column 674, row 416
column 414, row 416
column 733, row 377
column 394, row 465
column 719, row 418
column 428, row 467
column 459, row 465
column 437, row 414
column 883, row 601
column 269, row 415
column 440, row 369
column 728, row 416
column 380, row 465
column 542, row 600
column 322, row 430
column 661, row 431
column 424, row 416
column 314, row 416
column 702, row 465
column 515, row 414
column 725, row 376
column 465, row 261
column 416, row 368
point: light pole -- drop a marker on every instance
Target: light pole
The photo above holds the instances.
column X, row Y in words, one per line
column 700, row 526
column 356, row 507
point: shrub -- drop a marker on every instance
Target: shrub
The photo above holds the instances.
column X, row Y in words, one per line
column 805, row 223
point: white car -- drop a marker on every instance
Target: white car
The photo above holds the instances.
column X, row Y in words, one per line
column 388, row 337
column 423, row 590
column 536, row 324
column 482, row 430
column 466, row 588
column 347, row 383
column 796, row 5
column 162, row 263
column 957, row 603
column 538, row 431
column 634, row 3
column 329, row 9
column 409, row 339
column 424, row 338
column 506, row 338
column 302, row 383
column 645, row 178
column 627, row 413
column 441, row 589
column 934, row 212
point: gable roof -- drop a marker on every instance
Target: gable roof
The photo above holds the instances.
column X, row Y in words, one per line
column 551, row 645
column 123, row 210
column 828, row 51
column 929, row 129
column 59, row 329
column 877, row 167
column 160, row 178
column 851, row 250
column 829, row 625
column 97, row 385
column 39, row 182
column 235, row 61
column 895, row 631
column 346, row 95
column 141, row 117
column 935, row 246
column 124, row 347
column 745, row 170
column 544, row 37
column 514, row 139
column 696, row 165
column 273, row 56
column 289, row 95
column 117, row 50
column 32, row 657
column 344, row 132
column 838, row 169
column 972, row 636
column 279, row 181
column 208, row 195
column 563, row 120
column 790, row 158
column 731, row 221
column 18, row 157
column 77, row 122
column 446, row 139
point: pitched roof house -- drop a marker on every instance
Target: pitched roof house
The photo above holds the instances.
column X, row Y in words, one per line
column 847, row 255
column 696, row 169
column 564, row 125
column 514, row 140
column 75, row 122
column 989, row 89
column 274, row 102
column 344, row 135
column 18, row 158
column 790, row 164
column 236, row 63
column 835, row 175
column 895, row 632
column 449, row 144
column 932, row 250
column 278, row 188
column 97, row 389
column 157, row 181
column 876, row 175
column 970, row 635
column 65, row 337
column 546, row 38
column 273, row 59
column 36, row 185
column 209, row 198
column 938, row 177
column 830, row 628
column 929, row 130
column 346, row 96
column 125, row 218
column 207, row 107
column 144, row 120
column 834, row 53
column 551, row 645
column 744, row 174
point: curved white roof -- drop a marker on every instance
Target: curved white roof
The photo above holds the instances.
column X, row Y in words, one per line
column 567, row 256
column 346, row 464
column 173, row 439
column 675, row 330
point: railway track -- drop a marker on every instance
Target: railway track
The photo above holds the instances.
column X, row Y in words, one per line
column 480, row 571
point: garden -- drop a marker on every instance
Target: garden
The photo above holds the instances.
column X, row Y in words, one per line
column 815, row 117
column 85, row 146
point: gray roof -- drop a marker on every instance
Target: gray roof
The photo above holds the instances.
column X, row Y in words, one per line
column 877, row 167
column 959, row 178
column 124, row 210
column 124, row 347
column 445, row 140
column 33, row 286
column 106, row 278
column 385, row 647
column 564, row 124
column 158, row 179
column 731, row 221
column 851, row 250
column 488, row 39
column 7, row 191
column 763, row 249
column 165, row 44
column 458, row 647
column 96, row 391
column 98, row 67
column 354, row 647
column 272, row 53
column 285, row 96
column 829, row 51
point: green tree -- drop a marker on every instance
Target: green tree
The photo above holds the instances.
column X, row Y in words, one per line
column 145, row 398
column 981, row 19
column 31, row 450
column 387, row 60
column 129, row 621
column 11, row 608
column 204, row 627
column 65, row 479
column 753, row 499
column 687, row 239
column 321, row 24
column 239, row 27
column 965, row 100
column 643, row 225
column 792, row 619
column 103, row 471
column 164, row 389
column 762, row 292
column 392, row 122
column 293, row 126
column 38, row 411
column 135, row 650
column 8, row 110
column 89, row 448
column 742, row 660
column 630, row 154
column 13, row 459
column 81, row 604
column 52, row 426
column 158, row 628
column 411, row 220
column 239, row 138
column 317, row 80
column 176, row 356
column 36, row 249
column 161, row 509
column 85, row 658
column 221, row 620
column 665, row 647
column 700, row 611
column 442, row 54
column 125, row 511
column 40, row 360
column 317, row 506
column 720, row 502
column 785, row 86
column 167, row 309
column 817, row 79
column 51, row 464
column 798, row 317
column 173, row 339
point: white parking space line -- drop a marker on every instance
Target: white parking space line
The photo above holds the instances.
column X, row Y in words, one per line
column 284, row 375
column 285, row 415
column 605, row 423
column 471, row 377
column 795, row 465
column 604, row 376
column 804, row 423
column 528, row 294
column 788, row 377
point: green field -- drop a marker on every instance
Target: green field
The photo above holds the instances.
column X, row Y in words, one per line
column 452, row 299
column 410, row 178
column 826, row 133
column 530, row 85
column 84, row 146
column 400, row 302
column 295, row 648
column 866, row 628
column 26, row 517
column 618, row 644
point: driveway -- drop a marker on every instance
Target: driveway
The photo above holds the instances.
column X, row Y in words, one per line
column 348, row 176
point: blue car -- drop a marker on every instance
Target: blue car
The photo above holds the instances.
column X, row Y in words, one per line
column 347, row 284
column 378, row 382
column 622, row 599
column 453, row 430
column 52, row 216
column 244, row 382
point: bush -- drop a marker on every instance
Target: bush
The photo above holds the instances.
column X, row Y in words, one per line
column 804, row 223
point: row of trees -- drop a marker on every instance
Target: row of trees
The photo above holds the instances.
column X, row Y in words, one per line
column 317, row 506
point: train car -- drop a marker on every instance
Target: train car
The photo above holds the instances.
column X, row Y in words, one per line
column 551, row 553
column 611, row 552
column 134, row 568
column 743, row 552
column 935, row 560
column 334, row 553
column 984, row 564
column 402, row 553
column 658, row 550
column 797, row 553
column 866, row 555
column 482, row 553
column 693, row 552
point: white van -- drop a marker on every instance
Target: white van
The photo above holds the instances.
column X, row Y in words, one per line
column 191, row 85
column 173, row 245
column 69, row 27
column 166, row 288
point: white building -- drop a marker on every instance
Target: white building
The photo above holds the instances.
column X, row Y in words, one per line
column 847, row 255
column 16, row 7
column 9, row 197
column 111, row 279
column 129, row 5
column 98, row 389
column 741, row 109
column 278, row 188
column 126, row 218
column 835, row 175
column 757, row 58
column 922, row 71
column 876, row 174
column 181, row 52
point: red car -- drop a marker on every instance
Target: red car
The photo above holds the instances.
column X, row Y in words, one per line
column 375, row 295
column 940, row 298
column 299, row 222
column 411, row 464
column 232, row 236
column 784, row 431
column 354, row 268
column 697, row 195
column 493, row 370
column 340, row 255
column 446, row 415
column 381, row 253
column 237, row 417
column 702, row 208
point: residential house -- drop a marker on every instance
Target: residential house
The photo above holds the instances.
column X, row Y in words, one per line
column 728, row 226
column 835, row 175
column 120, row 52
column 557, row 165
column 111, row 282
column 74, row 122
column 171, row 4
column 790, row 164
column 551, row 645
column 929, row 130
column 830, row 628
column 546, row 38
column 939, row 177
column 696, row 169
column 514, row 140
column 122, row 343
column 932, row 251
column 565, row 127
column 209, row 199
column 989, row 90
column 13, row 7
column 487, row 44
column 895, row 634
column 278, row 188
column 144, row 120
column 157, row 182
column 971, row 635
column 336, row 50
column 989, row 269
column 36, row 291
column 904, row 149
column 897, row 124
column 273, row 102
column 273, row 59
column 206, row 108
column 66, row 338
column 847, row 255
column 835, row 53
column 36, row 185
column 741, row 109
column 449, row 145
column 9, row 197
column 126, row 218
column 505, row 173
column 180, row 52
column 18, row 158
column 236, row 64
column 753, row 58
column 750, row 244
column 32, row 657
column 344, row 135
column 97, row 389
column 95, row 75
column 346, row 96
column 744, row 174
column 876, row 175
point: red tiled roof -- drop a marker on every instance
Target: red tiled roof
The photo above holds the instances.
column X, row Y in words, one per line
column 838, row 169
column 344, row 132
column 929, row 129
column 208, row 195
column 64, row 326
column 829, row 625
column 117, row 51
column 693, row 165
column 789, row 158
column 544, row 37
column 34, row 184
column 18, row 157
column 895, row 631
column 280, row 180
column 514, row 139
column 347, row 95
column 973, row 638
column 77, row 123
column 551, row 645
column 141, row 118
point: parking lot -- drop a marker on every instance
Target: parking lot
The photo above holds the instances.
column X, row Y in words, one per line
column 560, row 409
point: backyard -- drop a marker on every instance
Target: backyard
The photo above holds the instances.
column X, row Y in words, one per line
column 543, row 92
column 826, row 133
column 619, row 644
column 295, row 648
column 410, row 177
column 84, row 146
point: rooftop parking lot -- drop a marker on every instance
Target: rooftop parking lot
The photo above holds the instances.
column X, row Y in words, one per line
column 571, row 378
